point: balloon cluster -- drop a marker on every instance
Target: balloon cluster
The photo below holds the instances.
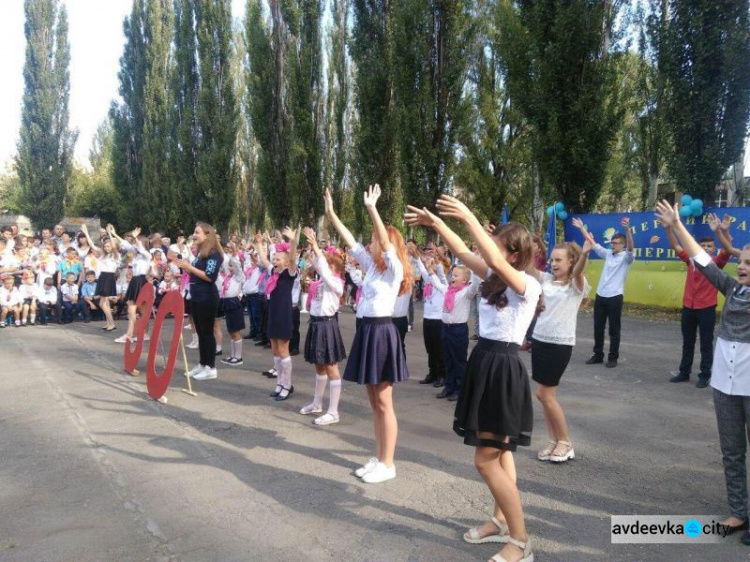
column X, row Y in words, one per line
column 557, row 209
column 690, row 207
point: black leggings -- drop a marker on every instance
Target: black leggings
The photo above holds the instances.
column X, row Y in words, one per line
column 204, row 315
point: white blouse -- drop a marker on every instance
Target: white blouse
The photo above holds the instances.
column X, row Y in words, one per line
column 141, row 259
column 326, row 300
column 557, row 324
column 379, row 288
column 461, row 302
column 402, row 305
column 509, row 324
column 109, row 263
column 433, row 305
column 252, row 281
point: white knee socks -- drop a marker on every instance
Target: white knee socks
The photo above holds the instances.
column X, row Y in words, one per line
column 333, row 403
column 320, row 389
column 285, row 376
column 236, row 348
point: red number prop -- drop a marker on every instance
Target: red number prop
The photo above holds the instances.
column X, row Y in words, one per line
column 157, row 383
column 144, row 302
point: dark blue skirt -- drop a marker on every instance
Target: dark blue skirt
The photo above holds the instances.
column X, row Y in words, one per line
column 376, row 355
column 323, row 344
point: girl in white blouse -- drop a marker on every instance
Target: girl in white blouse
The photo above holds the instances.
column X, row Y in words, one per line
column 494, row 411
column 376, row 358
column 106, row 285
column 324, row 347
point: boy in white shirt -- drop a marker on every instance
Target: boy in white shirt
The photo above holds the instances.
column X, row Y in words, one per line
column 71, row 305
column 10, row 301
column 46, row 299
column 610, row 294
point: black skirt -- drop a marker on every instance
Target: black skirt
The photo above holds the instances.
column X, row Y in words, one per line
column 323, row 344
column 376, row 355
column 495, row 398
column 134, row 287
column 549, row 361
column 106, row 285
column 234, row 314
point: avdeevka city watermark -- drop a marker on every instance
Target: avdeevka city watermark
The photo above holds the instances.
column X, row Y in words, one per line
column 674, row 529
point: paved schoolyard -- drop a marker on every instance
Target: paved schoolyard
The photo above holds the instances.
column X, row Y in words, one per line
column 93, row 470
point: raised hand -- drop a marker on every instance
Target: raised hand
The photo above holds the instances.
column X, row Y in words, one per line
column 625, row 221
column 372, row 195
column 713, row 222
column 578, row 223
column 726, row 222
column 310, row 235
column 489, row 228
column 84, row 229
column 588, row 244
column 328, row 202
column 290, row 233
column 136, row 232
column 451, row 207
column 419, row 217
column 667, row 215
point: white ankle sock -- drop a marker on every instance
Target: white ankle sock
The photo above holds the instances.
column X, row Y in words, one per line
column 335, row 391
column 320, row 389
column 218, row 348
column 236, row 349
column 33, row 317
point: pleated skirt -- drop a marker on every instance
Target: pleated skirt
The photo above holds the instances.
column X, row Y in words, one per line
column 376, row 355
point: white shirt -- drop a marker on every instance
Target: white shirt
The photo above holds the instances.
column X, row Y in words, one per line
column 232, row 280
column 616, row 266
column 509, row 324
column 141, row 259
column 69, row 292
column 122, row 286
column 326, row 300
column 379, row 288
column 730, row 372
column 45, row 270
column 46, row 296
column 109, row 263
column 401, row 308
column 433, row 305
column 462, row 302
column 252, row 281
column 296, row 290
column 557, row 323
column 9, row 298
column 27, row 291
column 171, row 286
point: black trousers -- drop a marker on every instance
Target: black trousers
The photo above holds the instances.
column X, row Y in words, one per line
column 294, row 342
column 433, row 344
column 204, row 315
column 263, row 333
column 456, row 349
column 696, row 320
column 402, row 325
column 607, row 309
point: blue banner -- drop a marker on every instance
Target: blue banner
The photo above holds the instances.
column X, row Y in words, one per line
column 650, row 239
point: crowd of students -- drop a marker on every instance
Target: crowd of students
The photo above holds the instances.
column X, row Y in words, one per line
column 520, row 301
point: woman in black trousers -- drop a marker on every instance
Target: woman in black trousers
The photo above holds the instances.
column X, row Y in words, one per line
column 204, row 296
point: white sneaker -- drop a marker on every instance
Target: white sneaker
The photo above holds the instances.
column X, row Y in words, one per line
column 368, row 466
column 146, row 337
column 311, row 409
column 123, row 339
column 206, row 374
column 193, row 345
column 380, row 473
column 195, row 370
column 327, row 419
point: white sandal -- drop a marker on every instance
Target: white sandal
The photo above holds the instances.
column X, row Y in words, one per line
column 311, row 409
column 528, row 555
column 570, row 454
column 326, row 419
column 545, row 454
column 501, row 536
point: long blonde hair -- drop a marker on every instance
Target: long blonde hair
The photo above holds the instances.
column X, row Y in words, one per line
column 376, row 252
column 211, row 242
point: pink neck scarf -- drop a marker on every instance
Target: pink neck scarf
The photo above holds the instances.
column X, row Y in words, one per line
column 225, row 285
column 271, row 284
column 358, row 295
column 427, row 291
column 450, row 296
column 312, row 292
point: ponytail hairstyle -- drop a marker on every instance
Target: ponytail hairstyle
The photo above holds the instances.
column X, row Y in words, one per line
column 515, row 238
column 211, row 243
column 573, row 251
column 376, row 253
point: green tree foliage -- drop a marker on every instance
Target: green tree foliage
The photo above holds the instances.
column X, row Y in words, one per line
column 376, row 137
column 431, row 44
column 707, row 64
column 45, row 149
column 562, row 77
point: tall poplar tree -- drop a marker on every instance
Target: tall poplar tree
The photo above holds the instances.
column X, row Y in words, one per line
column 707, row 65
column 45, row 149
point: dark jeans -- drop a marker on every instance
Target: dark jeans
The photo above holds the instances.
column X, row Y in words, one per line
column 204, row 315
column 43, row 309
column 455, row 350
column 607, row 309
column 254, row 304
column 87, row 312
column 410, row 314
column 733, row 422
column 263, row 333
column 294, row 342
column 433, row 343
column 70, row 311
column 697, row 320
column 402, row 325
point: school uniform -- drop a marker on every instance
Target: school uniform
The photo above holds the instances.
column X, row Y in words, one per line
column 231, row 289
column 433, row 295
column 554, row 334
column 279, row 291
column 323, row 343
column 106, row 284
column 455, row 333
column 296, row 293
column 46, row 299
column 141, row 264
column 9, row 299
column 254, row 276
column 88, row 290
column 400, row 316
column 376, row 354
column 70, row 309
column 495, row 396
column 731, row 380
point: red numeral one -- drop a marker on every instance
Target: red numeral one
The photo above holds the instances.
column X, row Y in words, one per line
column 157, row 383
column 144, row 302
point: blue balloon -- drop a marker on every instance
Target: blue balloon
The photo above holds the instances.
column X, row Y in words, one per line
column 696, row 204
column 550, row 211
column 686, row 200
column 685, row 212
column 696, row 212
column 559, row 207
column 562, row 215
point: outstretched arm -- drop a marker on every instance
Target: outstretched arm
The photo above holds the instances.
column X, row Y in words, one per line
column 725, row 239
column 580, row 268
column 260, row 249
column 93, row 246
column 371, row 199
column 333, row 218
column 423, row 217
column 292, row 236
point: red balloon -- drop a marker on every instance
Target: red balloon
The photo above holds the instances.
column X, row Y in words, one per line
column 157, row 383
column 144, row 302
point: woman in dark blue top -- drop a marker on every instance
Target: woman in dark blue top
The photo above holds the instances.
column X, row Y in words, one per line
column 204, row 296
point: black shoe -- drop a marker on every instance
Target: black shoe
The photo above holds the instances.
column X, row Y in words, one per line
column 611, row 363
column 444, row 393
column 429, row 379
column 275, row 393
column 702, row 383
column 294, row 353
column 280, row 397
column 218, row 352
column 594, row 360
column 267, row 346
column 261, row 343
column 453, row 397
column 270, row 373
column 439, row 383
column 731, row 529
column 679, row 377
column 746, row 538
